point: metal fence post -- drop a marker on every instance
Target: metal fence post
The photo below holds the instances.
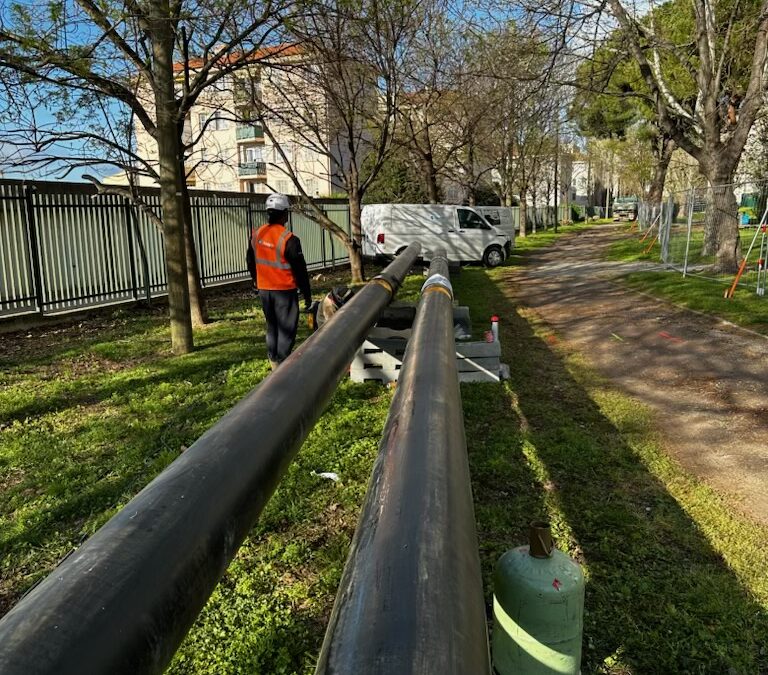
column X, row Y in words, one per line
column 34, row 252
column 665, row 232
column 322, row 245
column 108, row 247
column 691, row 198
column 249, row 220
column 131, row 253
column 144, row 261
column 200, row 248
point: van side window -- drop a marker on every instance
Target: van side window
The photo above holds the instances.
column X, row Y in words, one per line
column 469, row 220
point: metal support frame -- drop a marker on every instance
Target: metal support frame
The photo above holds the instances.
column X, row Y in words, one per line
column 124, row 600
column 411, row 598
column 692, row 199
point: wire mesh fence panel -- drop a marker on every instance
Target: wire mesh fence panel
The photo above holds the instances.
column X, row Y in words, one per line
column 717, row 233
column 648, row 214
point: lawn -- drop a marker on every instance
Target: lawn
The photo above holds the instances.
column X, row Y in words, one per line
column 675, row 580
column 698, row 293
column 90, row 413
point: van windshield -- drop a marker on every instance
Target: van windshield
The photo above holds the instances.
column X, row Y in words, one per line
column 469, row 220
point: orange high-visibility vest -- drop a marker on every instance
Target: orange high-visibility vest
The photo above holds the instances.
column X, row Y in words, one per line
column 272, row 269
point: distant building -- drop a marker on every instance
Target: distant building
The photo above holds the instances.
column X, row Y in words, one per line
column 231, row 152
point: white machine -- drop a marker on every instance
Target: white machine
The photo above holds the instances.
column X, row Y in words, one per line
column 465, row 234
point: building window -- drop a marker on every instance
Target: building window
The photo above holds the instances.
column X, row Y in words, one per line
column 203, row 154
column 277, row 157
column 253, row 154
column 282, row 186
column 202, row 118
column 311, row 187
column 218, row 123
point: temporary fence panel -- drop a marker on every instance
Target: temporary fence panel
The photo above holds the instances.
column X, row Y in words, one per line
column 694, row 227
column 541, row 216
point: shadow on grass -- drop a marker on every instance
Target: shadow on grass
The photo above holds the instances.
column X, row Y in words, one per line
column 659, row 598
column 59, row 392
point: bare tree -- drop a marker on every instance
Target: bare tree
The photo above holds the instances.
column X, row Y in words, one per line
column 335, row 97
column 433, row 87
column 147, row 61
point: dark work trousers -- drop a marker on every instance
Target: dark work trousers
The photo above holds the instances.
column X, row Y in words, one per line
column 281, row 310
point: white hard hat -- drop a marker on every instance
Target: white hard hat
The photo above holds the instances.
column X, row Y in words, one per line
column 278, row 202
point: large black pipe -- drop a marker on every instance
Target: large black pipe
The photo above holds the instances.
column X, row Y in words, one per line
column 125, row 599
column 411, row 600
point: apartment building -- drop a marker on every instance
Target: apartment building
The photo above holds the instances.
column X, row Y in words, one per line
column 230, row 150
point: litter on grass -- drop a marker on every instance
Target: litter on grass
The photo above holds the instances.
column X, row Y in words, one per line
column 330, row 475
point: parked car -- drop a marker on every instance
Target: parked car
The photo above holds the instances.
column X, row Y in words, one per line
column 465, row 235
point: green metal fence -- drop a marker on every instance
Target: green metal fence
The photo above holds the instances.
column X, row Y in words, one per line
column 63, row 247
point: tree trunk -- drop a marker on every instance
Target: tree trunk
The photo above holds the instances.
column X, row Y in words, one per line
column 354, row 246
column 535, row 199
column 721, row 236
column 523, row 212
column 429, row 177
column 197, row 307
column 655, row 192
column 170, row 177
column 721, row 227
column 433, row 190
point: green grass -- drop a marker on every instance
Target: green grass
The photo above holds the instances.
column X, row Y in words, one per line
column 744, row 309
column 699, row 294
column 630, row 249
column 90, row 414
column 675, row 579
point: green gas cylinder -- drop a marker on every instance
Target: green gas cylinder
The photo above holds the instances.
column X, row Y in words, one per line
column 538, row 606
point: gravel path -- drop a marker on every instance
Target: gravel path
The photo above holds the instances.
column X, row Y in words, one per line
column 707, row 379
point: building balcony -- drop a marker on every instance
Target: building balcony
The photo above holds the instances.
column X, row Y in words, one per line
column 252, row 169
column 249, row 132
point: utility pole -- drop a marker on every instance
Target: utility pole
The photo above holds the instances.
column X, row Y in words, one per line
column 557, row 163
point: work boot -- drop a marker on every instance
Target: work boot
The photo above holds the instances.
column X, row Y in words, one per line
column 273, row 364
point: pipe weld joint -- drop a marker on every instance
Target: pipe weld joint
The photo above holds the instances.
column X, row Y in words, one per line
column 437, row 282
column 386, row 283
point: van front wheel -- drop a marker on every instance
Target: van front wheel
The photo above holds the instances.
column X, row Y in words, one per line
column 493, row 256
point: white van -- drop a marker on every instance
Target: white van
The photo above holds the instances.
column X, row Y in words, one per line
column 502, row 218
column 465, row 235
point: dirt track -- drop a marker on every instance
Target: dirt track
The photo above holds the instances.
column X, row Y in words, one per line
column 707, row 380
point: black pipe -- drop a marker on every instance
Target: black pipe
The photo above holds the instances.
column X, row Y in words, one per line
column 124, row 600
column 411, row 600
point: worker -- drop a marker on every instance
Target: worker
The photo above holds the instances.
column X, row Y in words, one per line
column 278, row 270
